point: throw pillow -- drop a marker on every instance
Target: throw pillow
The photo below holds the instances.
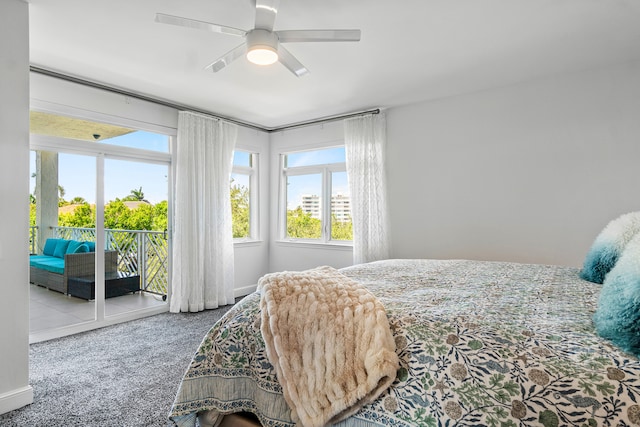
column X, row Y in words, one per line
column 73, row 245
column 50, row 246
column 83, row 248
column 61, row 248
column 76, row 247
column 618, row 315
column 608, row 246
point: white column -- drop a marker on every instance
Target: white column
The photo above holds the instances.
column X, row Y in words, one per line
column 14, row 210
column 46, row 195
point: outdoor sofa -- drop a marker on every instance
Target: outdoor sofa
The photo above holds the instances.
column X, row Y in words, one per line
column 62, row 259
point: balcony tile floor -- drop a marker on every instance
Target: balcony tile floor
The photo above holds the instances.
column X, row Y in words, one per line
column 50, row 309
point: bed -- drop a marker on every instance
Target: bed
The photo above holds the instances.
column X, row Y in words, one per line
column 478, row 343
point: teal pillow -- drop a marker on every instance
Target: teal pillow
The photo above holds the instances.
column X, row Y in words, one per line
column 91, row 246
column 76, row 247
column 61, row 248
column 617, row 317
column 608, row 247
column 83, row 248
column 73, row 245
column 50, row 246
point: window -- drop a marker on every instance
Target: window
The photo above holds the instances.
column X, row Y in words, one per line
column 316, row 195
column 244, row 195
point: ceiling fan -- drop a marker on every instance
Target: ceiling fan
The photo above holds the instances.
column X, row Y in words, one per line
column 262, row 45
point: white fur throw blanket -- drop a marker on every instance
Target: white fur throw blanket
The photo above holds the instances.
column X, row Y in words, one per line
column 329, row 340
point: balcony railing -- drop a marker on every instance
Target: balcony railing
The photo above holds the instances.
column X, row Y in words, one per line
column 140, row 252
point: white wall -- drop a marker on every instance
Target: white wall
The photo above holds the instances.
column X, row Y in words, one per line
column 14, row 210
column 296, row 256
column 251, row 259
column 64, row 97
column 527, row 173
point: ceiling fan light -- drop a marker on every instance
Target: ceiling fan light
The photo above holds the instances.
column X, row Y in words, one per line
column 262, row 55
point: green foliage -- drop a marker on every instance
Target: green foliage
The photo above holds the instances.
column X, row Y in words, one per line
column 160, row 218
column 32, row 213
column 300, row 225
column 83, row 216
column 117, row 216
column 341, row 230
column 240, row 210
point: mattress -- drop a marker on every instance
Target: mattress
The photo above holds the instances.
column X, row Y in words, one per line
column 479, row 343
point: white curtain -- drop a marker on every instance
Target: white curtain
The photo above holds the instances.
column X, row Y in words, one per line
column 365, row 141
column 203, row 272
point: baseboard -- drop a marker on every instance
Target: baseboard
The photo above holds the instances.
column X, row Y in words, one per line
column 16, row 399
column 245, row 290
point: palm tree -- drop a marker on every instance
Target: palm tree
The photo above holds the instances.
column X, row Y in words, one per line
column 61, row 193
column 136, row 195
column 78, row 200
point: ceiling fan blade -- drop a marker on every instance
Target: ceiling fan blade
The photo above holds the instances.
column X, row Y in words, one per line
column 227, row 58
column 294, row 36
column 290, row 61
column 266, row 11
column 200, row 25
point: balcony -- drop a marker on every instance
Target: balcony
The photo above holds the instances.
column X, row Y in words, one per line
column 140, row 252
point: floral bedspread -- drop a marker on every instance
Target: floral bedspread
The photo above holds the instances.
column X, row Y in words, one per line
column 480, row 344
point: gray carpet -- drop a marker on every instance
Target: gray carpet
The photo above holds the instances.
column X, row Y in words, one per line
column 121, row 375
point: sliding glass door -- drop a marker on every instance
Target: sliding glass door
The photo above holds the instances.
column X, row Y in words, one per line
column 103, row 191
column 136, row 227
column 62, row 246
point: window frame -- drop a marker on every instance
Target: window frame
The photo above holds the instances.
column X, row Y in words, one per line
column 326, row 171
column 252, row 172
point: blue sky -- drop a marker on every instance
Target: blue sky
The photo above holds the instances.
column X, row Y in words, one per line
column 312, row 184
column 77, row 173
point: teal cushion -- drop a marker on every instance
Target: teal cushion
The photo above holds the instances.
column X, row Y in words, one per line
column 50, row 246
column 35, row 259
column 61, row 248
column 91, row 245
column 617, row 317
column 73, row 245
column 608, row 246
column 82, row 248
column 76, row 247
column 52, row 264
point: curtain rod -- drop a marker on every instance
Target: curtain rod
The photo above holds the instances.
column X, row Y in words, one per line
column 324, row 120
column 124, row 92
column 170, row 104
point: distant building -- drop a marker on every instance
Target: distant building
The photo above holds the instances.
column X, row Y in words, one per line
column 340, row 206
column 311, row 204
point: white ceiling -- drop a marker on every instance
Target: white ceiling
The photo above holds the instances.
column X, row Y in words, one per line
column 410, row 51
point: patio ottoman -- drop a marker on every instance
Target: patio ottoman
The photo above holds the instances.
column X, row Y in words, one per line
column 116, row 284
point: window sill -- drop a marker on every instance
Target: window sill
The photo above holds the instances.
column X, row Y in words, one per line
column 347, row 246
column 247, row 243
